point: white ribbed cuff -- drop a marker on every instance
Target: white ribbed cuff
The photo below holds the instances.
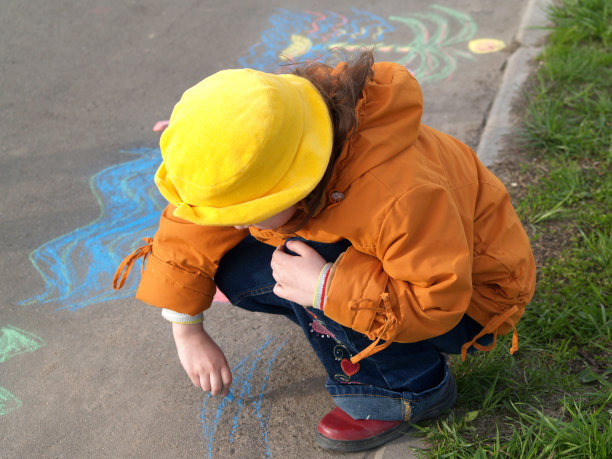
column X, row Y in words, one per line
column 180, row 318
column 320, row 294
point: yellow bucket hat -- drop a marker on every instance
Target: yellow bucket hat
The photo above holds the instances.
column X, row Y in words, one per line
column 242, row 146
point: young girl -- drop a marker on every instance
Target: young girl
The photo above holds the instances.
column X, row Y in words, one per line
column 319, row 195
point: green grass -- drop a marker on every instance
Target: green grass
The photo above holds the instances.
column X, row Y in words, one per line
column 554, row 397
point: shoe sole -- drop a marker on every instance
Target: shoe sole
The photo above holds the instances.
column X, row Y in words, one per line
column 351, row 446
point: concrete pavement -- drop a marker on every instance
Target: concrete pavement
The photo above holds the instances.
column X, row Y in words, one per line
column 87, row 373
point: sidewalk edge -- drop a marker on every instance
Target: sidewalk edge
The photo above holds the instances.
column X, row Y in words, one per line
column 501, row 122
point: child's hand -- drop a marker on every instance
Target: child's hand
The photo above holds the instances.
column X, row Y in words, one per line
column 296, row 276
column 202, row 359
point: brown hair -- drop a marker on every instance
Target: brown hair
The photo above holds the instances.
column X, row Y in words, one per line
column 341, row 89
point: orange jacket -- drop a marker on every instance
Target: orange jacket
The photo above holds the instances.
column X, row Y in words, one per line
column 433, row 233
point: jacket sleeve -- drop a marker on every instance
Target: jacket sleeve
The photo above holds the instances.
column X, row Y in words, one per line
column 183, row 261
column 418, row 284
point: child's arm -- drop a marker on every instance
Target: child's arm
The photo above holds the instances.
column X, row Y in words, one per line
column 182, row 263
column 202, row 359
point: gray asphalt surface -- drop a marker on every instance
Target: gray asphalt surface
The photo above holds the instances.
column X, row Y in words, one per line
column 84, row 373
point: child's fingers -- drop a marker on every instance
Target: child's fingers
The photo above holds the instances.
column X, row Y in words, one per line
column 279, row 291
column 226, row 377
column 285, row 292
column 276, row 255
column 281, row 276
column 216, row 384
column 289, row 293
column 161, row 125
column 300, row 247
column 195, row 380
column 279, row 254
column 220, row 381
column 205, row 383
column 279, row 259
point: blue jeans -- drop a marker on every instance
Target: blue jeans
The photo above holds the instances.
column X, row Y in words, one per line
column 393, row 384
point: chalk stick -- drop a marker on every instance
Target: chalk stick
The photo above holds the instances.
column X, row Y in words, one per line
column 230, row 396
column 161, row 125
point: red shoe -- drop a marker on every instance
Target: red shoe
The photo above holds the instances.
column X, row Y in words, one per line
column 337, row 431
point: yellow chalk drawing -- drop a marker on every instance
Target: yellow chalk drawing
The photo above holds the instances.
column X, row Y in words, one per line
column 486, row 45
column 299, row 46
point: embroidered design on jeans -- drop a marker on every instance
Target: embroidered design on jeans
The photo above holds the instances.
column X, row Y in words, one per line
column 342, row 354
column 318, row 327
column 349, row 367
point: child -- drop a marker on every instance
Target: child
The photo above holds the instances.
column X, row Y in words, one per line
column 319, row 195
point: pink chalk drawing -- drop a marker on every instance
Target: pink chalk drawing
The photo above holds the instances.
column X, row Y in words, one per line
column 430, row 44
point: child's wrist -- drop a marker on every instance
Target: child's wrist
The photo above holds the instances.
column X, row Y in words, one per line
column 183, row 330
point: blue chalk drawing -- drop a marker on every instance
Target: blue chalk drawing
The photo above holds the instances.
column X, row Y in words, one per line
column 430, row 43
column 77, row 268
column 14, row 342
column 243, row 394
column 310, row 36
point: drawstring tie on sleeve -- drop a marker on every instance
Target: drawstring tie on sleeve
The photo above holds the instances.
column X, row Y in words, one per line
column 390, row 324
column 123, row 271
column 491, row 327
